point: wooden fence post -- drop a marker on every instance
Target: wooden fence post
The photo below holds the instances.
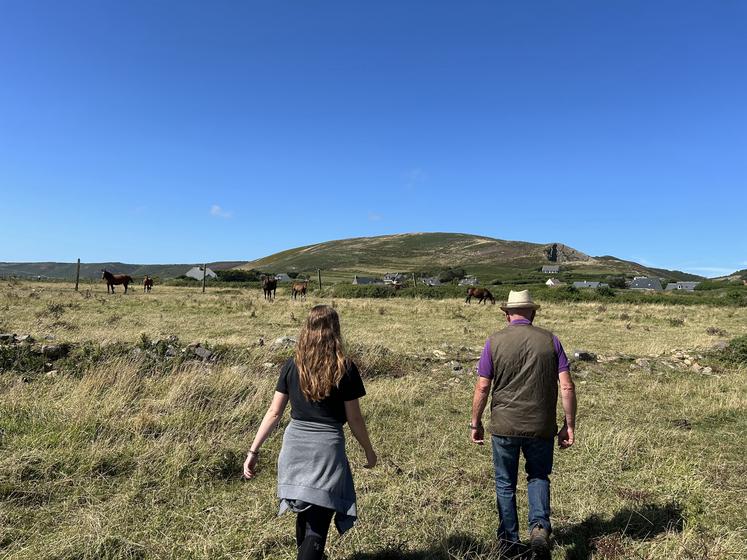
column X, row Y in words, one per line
column 319, row 274
column 414, row 283
column 204, row 275
column 77, row 275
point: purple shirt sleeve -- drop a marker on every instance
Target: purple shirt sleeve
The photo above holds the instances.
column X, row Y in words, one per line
column 485, row 365
column 563, row 364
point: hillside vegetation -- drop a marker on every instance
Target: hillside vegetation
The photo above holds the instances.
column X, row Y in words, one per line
column 485, row 257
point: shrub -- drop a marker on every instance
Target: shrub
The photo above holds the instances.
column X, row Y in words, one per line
column 604, row 291
column 736, row 351
column 238, row 275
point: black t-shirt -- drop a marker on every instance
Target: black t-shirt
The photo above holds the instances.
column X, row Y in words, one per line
column 330, row 409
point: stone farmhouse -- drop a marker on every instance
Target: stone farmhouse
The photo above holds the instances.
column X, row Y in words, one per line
column 367, row 281
column 683, row 286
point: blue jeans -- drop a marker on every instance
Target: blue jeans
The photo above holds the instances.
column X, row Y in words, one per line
column 538, row 454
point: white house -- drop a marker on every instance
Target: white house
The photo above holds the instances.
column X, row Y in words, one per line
column 433, row 281
column 282, row 277
column 197, row 273
column 468, row 281
column 553, row 282
column 551, row 269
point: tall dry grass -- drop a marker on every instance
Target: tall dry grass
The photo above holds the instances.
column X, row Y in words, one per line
column 115, row 460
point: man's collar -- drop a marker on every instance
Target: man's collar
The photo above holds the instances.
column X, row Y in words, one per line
column 520, row 322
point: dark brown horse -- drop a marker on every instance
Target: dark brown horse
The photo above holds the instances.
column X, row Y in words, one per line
column 299, row 289
column 114, row 279
column 147, row 284
column 481, row 294
column 269, row 286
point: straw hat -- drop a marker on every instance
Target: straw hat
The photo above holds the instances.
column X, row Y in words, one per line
column 519, row 300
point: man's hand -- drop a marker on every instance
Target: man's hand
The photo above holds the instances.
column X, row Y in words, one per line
column 477, row 435
column 371, row 459
column 565, row 437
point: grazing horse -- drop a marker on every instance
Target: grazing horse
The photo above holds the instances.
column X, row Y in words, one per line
column 299, row 289
column 269, row 286
column 114, row 279
column 481, row 294
column 147, row 284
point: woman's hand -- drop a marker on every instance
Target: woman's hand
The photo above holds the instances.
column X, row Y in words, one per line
column 250, row 465
column 371, row 459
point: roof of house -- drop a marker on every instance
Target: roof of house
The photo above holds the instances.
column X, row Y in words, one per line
column 687, row 286
column 551, row 268
column 553, row 282
column 586, row 284
column 366, row 280
column 468, row 281
column 433, row 281
column 196, row 273
column 646, row 284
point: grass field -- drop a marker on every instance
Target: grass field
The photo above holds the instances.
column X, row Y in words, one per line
column 125, row 452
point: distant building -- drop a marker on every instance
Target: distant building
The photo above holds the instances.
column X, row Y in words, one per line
column 643, row 283
column 585, row 284
column 553, row 282
column 282, row 277
column 196, row 273
column 366, row 281
column 684, row 286
column 468, row 281
column 395, row 278
column 551, row 269
column 431, row 281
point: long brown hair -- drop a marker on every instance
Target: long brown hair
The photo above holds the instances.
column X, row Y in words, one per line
column 320, row 356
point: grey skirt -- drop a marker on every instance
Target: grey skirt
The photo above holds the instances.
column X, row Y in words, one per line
column 314, row 470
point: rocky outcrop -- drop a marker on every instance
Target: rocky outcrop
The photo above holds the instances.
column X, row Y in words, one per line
column 559, row 253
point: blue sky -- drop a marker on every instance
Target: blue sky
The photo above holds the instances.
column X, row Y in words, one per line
column 154, row 131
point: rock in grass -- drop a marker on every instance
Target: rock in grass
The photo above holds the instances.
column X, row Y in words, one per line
column 7, row 337
column 283, row 342
column 202, row 352
column 455, row 366
column 54, row 351
column 27, row 338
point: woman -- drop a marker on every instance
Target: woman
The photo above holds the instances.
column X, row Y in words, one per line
column 314, row 478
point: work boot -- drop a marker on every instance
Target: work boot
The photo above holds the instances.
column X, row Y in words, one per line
column 539, row 542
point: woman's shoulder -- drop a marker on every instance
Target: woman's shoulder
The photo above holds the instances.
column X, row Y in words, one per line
column 289, row 366
column 351, row 368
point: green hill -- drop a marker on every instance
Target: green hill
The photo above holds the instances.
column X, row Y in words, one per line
column 485, row 257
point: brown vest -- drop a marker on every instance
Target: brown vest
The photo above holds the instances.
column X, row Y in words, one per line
column 525, row 382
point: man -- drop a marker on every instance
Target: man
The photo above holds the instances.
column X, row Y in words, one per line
column 524, row 365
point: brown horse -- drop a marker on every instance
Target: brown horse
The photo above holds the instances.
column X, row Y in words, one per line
column 299, row 289
column 147, row 284
column 481, row 294
column 114, row 279
column 269, row 286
